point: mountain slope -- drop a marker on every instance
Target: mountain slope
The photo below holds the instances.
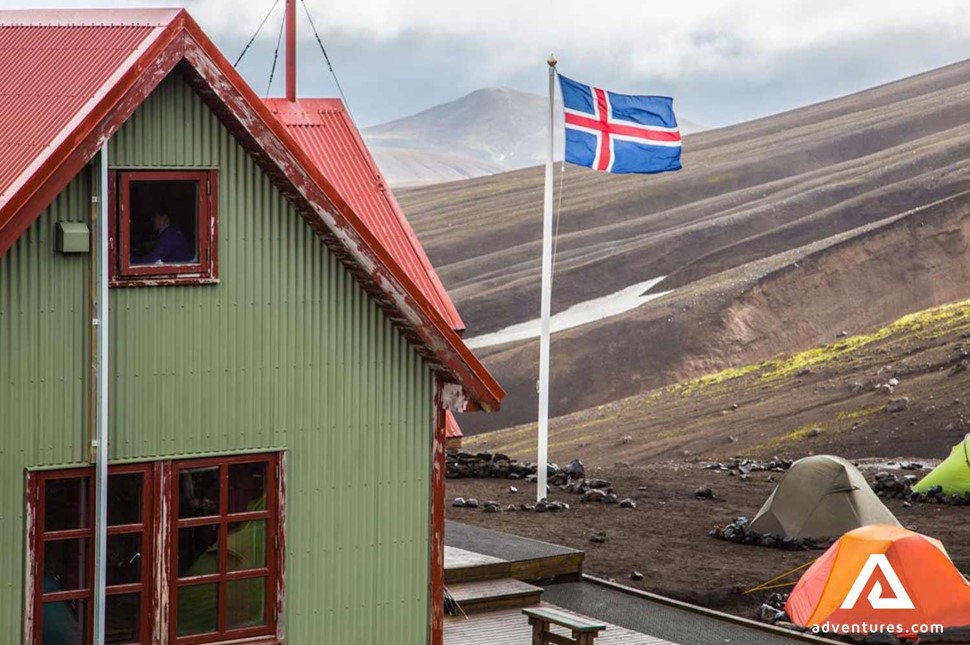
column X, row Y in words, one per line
column 849, row 184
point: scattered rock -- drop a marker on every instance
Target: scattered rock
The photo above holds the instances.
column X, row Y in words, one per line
column 459, row 502
column 471, row 502
column 769, row 614
column 704, row 492
column 897, row 405
column 627, row 503
column 636, row 575
column 513, row 490
column 814, row 432
column 856, row 387
column 594, row 495
column 575, row 469
column 598, row 537
column 626, row 439
column 893, row 381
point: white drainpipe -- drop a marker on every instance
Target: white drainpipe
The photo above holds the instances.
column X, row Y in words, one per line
column 100, row 444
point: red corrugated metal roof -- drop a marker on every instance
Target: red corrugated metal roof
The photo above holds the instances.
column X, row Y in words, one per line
column 328, row 135
column 72, row 105
column 452, row 431
column 53, row 64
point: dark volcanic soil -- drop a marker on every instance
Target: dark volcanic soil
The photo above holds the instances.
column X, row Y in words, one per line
column 666, row 539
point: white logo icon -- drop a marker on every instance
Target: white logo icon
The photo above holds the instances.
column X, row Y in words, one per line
column 880, row 561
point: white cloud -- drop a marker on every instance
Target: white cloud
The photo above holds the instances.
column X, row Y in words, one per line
column 708, row 52
column 663, row 39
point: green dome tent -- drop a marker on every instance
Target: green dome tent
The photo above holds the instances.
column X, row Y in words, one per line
column 953, row 474
column 821, row 497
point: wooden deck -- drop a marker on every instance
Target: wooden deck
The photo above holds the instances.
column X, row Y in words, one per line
column 467, row 566
column 510, row 627
column 478, row 553
column 489, row 595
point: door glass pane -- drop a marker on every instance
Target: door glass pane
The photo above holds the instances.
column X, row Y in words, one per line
column 64, row 622
column 198, row 609
column 247, row 545
column 65, row 565
column 125, row 498
column 66, row 503
column 122, row 618
column 247, row 487
column 124, row 558
column 199, row 492
column 164, row 221
column 198, row 551
column 246, row 603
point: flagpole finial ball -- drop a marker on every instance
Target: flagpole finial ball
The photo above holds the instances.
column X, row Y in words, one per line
column 552, row 60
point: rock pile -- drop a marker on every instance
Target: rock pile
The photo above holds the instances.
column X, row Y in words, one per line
column 739, row 466
column 892, row 486
column 773, row 609
column 571, row 479
column 737, row 531
column 461, row 464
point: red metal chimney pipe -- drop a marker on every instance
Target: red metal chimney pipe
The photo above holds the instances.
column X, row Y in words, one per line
column 291, row 50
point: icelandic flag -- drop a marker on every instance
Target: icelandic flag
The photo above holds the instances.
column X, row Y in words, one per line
column 619, row 133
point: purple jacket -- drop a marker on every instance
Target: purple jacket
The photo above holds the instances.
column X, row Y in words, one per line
column 172, row 246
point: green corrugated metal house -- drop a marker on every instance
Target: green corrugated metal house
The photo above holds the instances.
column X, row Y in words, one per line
column 275, row 373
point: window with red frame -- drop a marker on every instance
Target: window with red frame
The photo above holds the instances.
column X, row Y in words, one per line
column 222, row 551
column 163, row 227
column 63, row 558
column 224, row 563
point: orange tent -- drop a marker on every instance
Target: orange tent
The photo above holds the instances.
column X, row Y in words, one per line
column 881, row 579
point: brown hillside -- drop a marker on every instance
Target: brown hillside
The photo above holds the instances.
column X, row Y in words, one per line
column 823, row 400
column 778, row 234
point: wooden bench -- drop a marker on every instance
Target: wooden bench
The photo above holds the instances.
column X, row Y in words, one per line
column 584, row 631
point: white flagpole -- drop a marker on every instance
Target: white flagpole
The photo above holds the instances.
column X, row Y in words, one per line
column 543, row 455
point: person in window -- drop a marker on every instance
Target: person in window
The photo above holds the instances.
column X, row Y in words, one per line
column 171, row 246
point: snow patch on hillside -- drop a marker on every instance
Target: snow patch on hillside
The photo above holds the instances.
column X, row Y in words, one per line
column 579, row 314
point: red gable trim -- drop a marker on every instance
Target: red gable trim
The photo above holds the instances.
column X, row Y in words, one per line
column 284, row 161
column 325, row 131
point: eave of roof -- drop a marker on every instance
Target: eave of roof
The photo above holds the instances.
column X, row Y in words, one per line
column 182, row 42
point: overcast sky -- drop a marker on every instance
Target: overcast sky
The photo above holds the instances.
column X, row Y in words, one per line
column 723, row 61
